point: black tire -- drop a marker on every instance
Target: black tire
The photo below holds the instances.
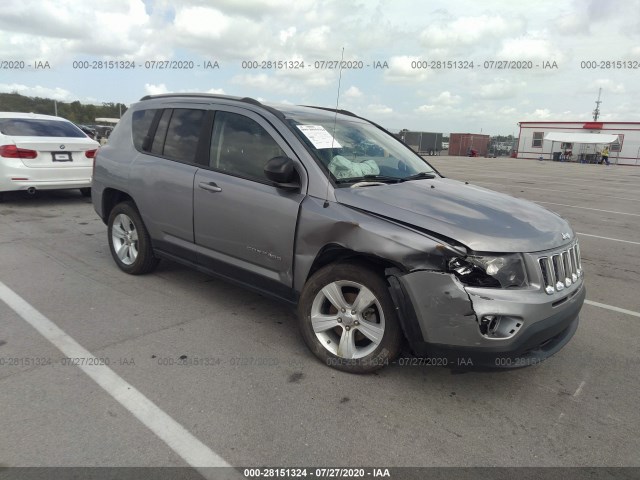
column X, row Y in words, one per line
column 144, row 261
column 350, row 273
column 86, row 192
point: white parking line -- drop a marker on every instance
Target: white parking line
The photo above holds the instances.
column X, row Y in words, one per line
column 529, row 187
column 579, row 389
column 181, row 441
column 587, row 208
column 611, row 307
column 608, row 238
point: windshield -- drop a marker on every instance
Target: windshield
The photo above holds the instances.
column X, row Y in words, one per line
column 355, row 150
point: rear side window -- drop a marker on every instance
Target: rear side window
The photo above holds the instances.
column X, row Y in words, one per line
column 178, row 134
column 141, row 123
column 161, row 132
column 31, row 127
column 183, row 134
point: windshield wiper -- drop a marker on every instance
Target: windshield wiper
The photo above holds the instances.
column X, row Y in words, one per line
column 419, row 176
column 373, row 178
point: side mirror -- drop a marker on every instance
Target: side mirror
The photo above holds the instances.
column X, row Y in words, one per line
column 282, row 172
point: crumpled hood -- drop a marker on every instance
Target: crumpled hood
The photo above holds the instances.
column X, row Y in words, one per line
column 481, row 219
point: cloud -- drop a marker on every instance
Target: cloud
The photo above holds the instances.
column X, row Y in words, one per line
column 158, row 89
column 405, row 69
column 400, row 33
column 54, row 31
column 469, row 32
column 353, row 92
column 155, row 89
column 501, row 88
column 257, row 9
column 286, row 34
column 444, row 102
column 270, row 83
column 532, row 46
column 202, row 22
column 426, row 109
column 607, row 85
column 541, row 114
column 55, row 93
column 44, row 19
column 206, row 30
column 317, row 40
column 378, row 109
column 445, row 98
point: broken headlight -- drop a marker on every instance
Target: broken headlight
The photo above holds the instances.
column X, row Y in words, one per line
column 503, row 271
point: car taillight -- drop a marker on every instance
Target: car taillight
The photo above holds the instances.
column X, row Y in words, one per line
column 11, row 151
column 90, row 153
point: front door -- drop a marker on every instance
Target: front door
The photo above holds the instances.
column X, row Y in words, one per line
column 246, row 226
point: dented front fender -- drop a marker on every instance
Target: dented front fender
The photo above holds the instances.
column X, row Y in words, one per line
column 361, row 232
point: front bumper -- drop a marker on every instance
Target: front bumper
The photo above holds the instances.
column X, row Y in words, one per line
column 440, row 320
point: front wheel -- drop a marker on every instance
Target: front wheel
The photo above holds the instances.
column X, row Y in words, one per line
column 348, row 319
column 129, row 240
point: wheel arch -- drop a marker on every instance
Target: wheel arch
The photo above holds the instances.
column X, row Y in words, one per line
column 112, row 197
column 336, row 253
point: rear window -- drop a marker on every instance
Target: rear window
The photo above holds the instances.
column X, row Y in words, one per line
column 31, row 127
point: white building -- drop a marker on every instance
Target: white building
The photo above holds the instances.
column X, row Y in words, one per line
column 584, row 141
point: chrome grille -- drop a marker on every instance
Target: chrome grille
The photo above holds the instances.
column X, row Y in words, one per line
column 560, row 269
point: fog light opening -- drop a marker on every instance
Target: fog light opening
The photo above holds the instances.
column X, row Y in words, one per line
column 499, row 327
column 494, row 323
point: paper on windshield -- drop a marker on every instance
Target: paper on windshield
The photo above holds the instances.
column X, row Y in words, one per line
column 318, row 136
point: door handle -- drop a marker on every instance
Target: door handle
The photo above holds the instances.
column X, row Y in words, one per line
column 211, row 186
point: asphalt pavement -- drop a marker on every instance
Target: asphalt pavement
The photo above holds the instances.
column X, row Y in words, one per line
column 229, row 367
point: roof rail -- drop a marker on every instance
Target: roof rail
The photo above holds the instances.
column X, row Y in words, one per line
column 343, row 112
column 189, row 95
column 252, row 101
column 249, row 100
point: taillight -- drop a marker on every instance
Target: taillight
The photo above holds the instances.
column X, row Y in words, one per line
column 11, row 151
column 90, row 153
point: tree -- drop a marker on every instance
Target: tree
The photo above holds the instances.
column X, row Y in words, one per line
column 75, row 111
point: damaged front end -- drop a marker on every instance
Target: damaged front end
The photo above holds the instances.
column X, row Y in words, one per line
column 461, row 307
column 483, row 311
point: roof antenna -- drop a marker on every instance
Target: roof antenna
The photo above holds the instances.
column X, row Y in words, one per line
column 335, row 120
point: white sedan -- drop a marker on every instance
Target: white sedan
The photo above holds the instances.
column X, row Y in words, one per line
column 43, row 152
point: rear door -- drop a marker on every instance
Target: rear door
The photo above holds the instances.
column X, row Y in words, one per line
column 161, row 177
column 246, row 226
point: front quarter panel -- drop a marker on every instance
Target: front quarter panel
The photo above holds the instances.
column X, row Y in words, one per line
column 319, row 226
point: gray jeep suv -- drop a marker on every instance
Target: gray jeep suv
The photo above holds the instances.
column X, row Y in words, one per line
column 328, row 211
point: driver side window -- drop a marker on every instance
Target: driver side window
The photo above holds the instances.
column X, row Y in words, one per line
column 241, row 147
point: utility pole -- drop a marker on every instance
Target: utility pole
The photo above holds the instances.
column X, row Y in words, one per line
column 55, row 108
column 596, row 112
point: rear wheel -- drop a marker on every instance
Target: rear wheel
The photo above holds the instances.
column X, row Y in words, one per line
column 86, row 192
column 129, row 240
column 348, row 319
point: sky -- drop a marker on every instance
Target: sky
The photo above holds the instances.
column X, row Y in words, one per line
column 557, row 54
